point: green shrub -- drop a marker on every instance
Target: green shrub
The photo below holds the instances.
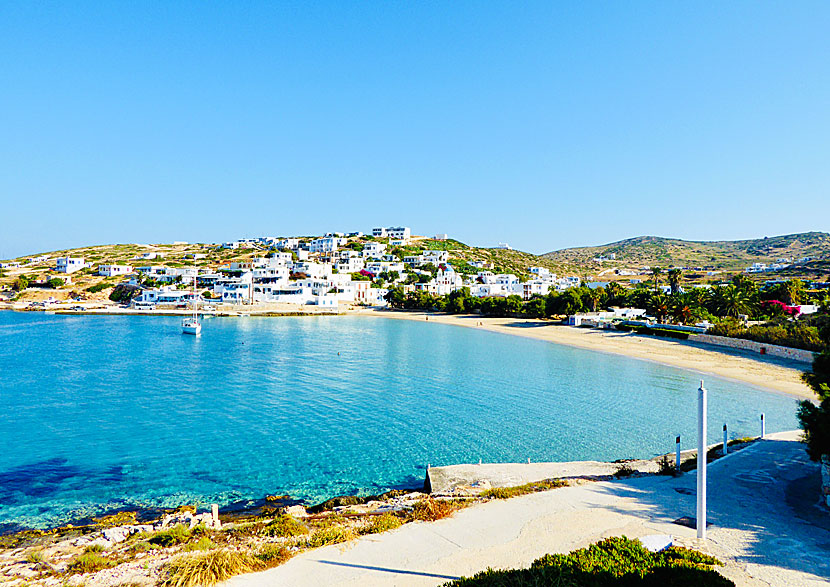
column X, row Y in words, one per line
column 508, row 492
column 124, row 293
column 36, row 556
column 178, row 534
column 89, row 562
column 204, row 543
column 197, row 570
column 797, row 334
column 98, row 287
column 623, row 470
column 330, row 535
column 429, row 509
column 614, row 562
column 382, row 523
column 143, row 546
column 94, row 548
column 666, row 467
column 284, row 527
column 274, row 554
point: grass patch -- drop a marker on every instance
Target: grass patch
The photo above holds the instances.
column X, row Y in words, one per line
column 508, row 492
column 614, row 562
column 89, row 562
column 94, row 548
column 143, row 546
column 382, row 523
column 178, row 534
column 330, row 535
column 35, row 557
column 208, row 568
column 284, row 527
column 429, row 509
column 273, row 555
column 204, row 543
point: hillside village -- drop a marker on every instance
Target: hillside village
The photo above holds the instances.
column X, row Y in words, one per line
column 321, row 272
column 324, row 271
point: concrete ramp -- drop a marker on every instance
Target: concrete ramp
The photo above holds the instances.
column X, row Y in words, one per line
column 473, row 479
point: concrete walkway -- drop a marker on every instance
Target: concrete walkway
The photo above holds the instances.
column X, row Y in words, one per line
column 763, row 504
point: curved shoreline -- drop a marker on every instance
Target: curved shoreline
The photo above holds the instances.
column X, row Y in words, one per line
column 769, row 374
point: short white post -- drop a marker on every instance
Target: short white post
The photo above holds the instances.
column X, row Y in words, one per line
column 701, row 462
column 763, row 426
column 725, row 441
column 677, row 454
column 214, row 513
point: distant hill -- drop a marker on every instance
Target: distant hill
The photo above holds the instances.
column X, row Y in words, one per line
column 725, row 255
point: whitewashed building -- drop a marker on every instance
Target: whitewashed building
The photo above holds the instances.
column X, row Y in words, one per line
column 373, row 250
column 69, row 264
column 113, row 270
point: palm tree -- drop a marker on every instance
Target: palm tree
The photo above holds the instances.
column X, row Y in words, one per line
column 655, row 273
column 659, row 306
column 681, row 309
column 728, row 300
column 614, row 291
column 674, row 280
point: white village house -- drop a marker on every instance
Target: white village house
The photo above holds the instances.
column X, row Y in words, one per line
column 69, row 264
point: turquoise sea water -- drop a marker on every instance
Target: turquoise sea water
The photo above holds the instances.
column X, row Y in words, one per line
column 99, row 412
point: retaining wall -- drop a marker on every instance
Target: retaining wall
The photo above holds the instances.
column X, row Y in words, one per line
column 773, row 350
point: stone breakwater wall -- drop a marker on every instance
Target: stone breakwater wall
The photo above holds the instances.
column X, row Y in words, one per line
column 761, row 348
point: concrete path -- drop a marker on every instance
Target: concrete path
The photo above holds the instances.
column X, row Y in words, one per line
column 767, row 527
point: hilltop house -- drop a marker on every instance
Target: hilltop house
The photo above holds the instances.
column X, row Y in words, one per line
column 113, row 270
column 393, row 232
column 69, row 264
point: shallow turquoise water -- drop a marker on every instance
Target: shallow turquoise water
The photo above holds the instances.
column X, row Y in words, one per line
column 105, row 411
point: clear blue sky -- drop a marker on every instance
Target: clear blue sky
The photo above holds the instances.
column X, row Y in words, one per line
column 544, row 125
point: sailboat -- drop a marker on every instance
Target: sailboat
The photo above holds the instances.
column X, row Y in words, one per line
column 191, row 324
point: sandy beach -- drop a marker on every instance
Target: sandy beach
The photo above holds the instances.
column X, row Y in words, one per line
column 769, row 373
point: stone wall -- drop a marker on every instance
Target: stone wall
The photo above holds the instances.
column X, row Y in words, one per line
column 755, row 347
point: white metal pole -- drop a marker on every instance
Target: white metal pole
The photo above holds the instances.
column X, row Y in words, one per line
column 763, row 426
column 677, row 454
column 701, row 462
column 725, row 441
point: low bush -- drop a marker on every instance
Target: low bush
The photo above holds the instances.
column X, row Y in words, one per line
column 273, row 555
column 98, row 287
column 94, row 548
column 666, row 467
column 330, row 535
column 204, row 543
column 797, row 334
column 284, row 527
column 35, row 556
column 142, row 546
column 382, row 523
column 89, row 562
column 178, row 534
column 192, row 570
column 429, row 509
column 614, row 562
column 508, row 492
column 623, row 470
